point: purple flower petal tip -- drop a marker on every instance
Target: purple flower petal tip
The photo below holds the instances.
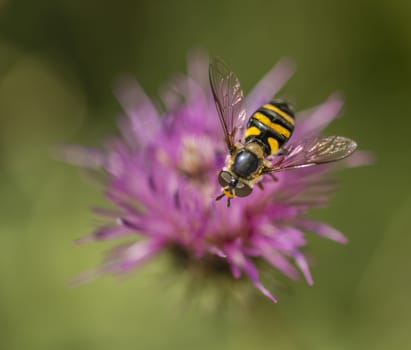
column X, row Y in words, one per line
column 302, row 263
column 81, row 156
column 360, row 158
column 161, row 178
column 85, row 239
column 265, row 292
column 270, row 84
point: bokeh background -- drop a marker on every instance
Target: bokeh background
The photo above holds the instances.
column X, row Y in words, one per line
column 59, row 60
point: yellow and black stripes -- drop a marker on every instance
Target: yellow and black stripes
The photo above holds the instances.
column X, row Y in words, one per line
column 271, row 126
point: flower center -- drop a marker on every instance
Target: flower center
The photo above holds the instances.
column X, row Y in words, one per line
column 196, row 156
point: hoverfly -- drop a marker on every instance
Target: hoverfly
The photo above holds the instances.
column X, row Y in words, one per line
column 268, row 130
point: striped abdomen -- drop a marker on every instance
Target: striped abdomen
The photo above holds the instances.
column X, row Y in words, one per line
column 271, row 126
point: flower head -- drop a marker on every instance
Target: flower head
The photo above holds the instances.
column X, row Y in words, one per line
column 162, row 179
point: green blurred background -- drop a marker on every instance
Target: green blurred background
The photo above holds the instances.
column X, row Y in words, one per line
column 58, row 62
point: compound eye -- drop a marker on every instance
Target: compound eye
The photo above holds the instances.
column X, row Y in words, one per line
column 242, row 190
column 224, row 178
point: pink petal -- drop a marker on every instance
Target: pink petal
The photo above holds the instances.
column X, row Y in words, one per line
column 324, row 230
column 313, row 122
column 252, row 273
column 281, row 263
column 238, row 262
column 198, row 67
column 271, row 83
column 105, row 233
column 124, row 258
column 303, row 265
column 143, row 117
column 360, row 158
column 217, row 251
column 85, row 157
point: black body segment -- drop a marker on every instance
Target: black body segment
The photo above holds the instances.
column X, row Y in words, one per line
column 271, row 126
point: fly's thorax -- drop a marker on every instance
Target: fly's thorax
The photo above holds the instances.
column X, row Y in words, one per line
column 247, row 161
column 256, row 148
column 245, row 164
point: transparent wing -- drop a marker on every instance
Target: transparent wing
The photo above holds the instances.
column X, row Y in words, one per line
column 229, row 99
column 314, row 151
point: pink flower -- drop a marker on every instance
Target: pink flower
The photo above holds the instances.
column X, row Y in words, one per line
column 162, row 178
